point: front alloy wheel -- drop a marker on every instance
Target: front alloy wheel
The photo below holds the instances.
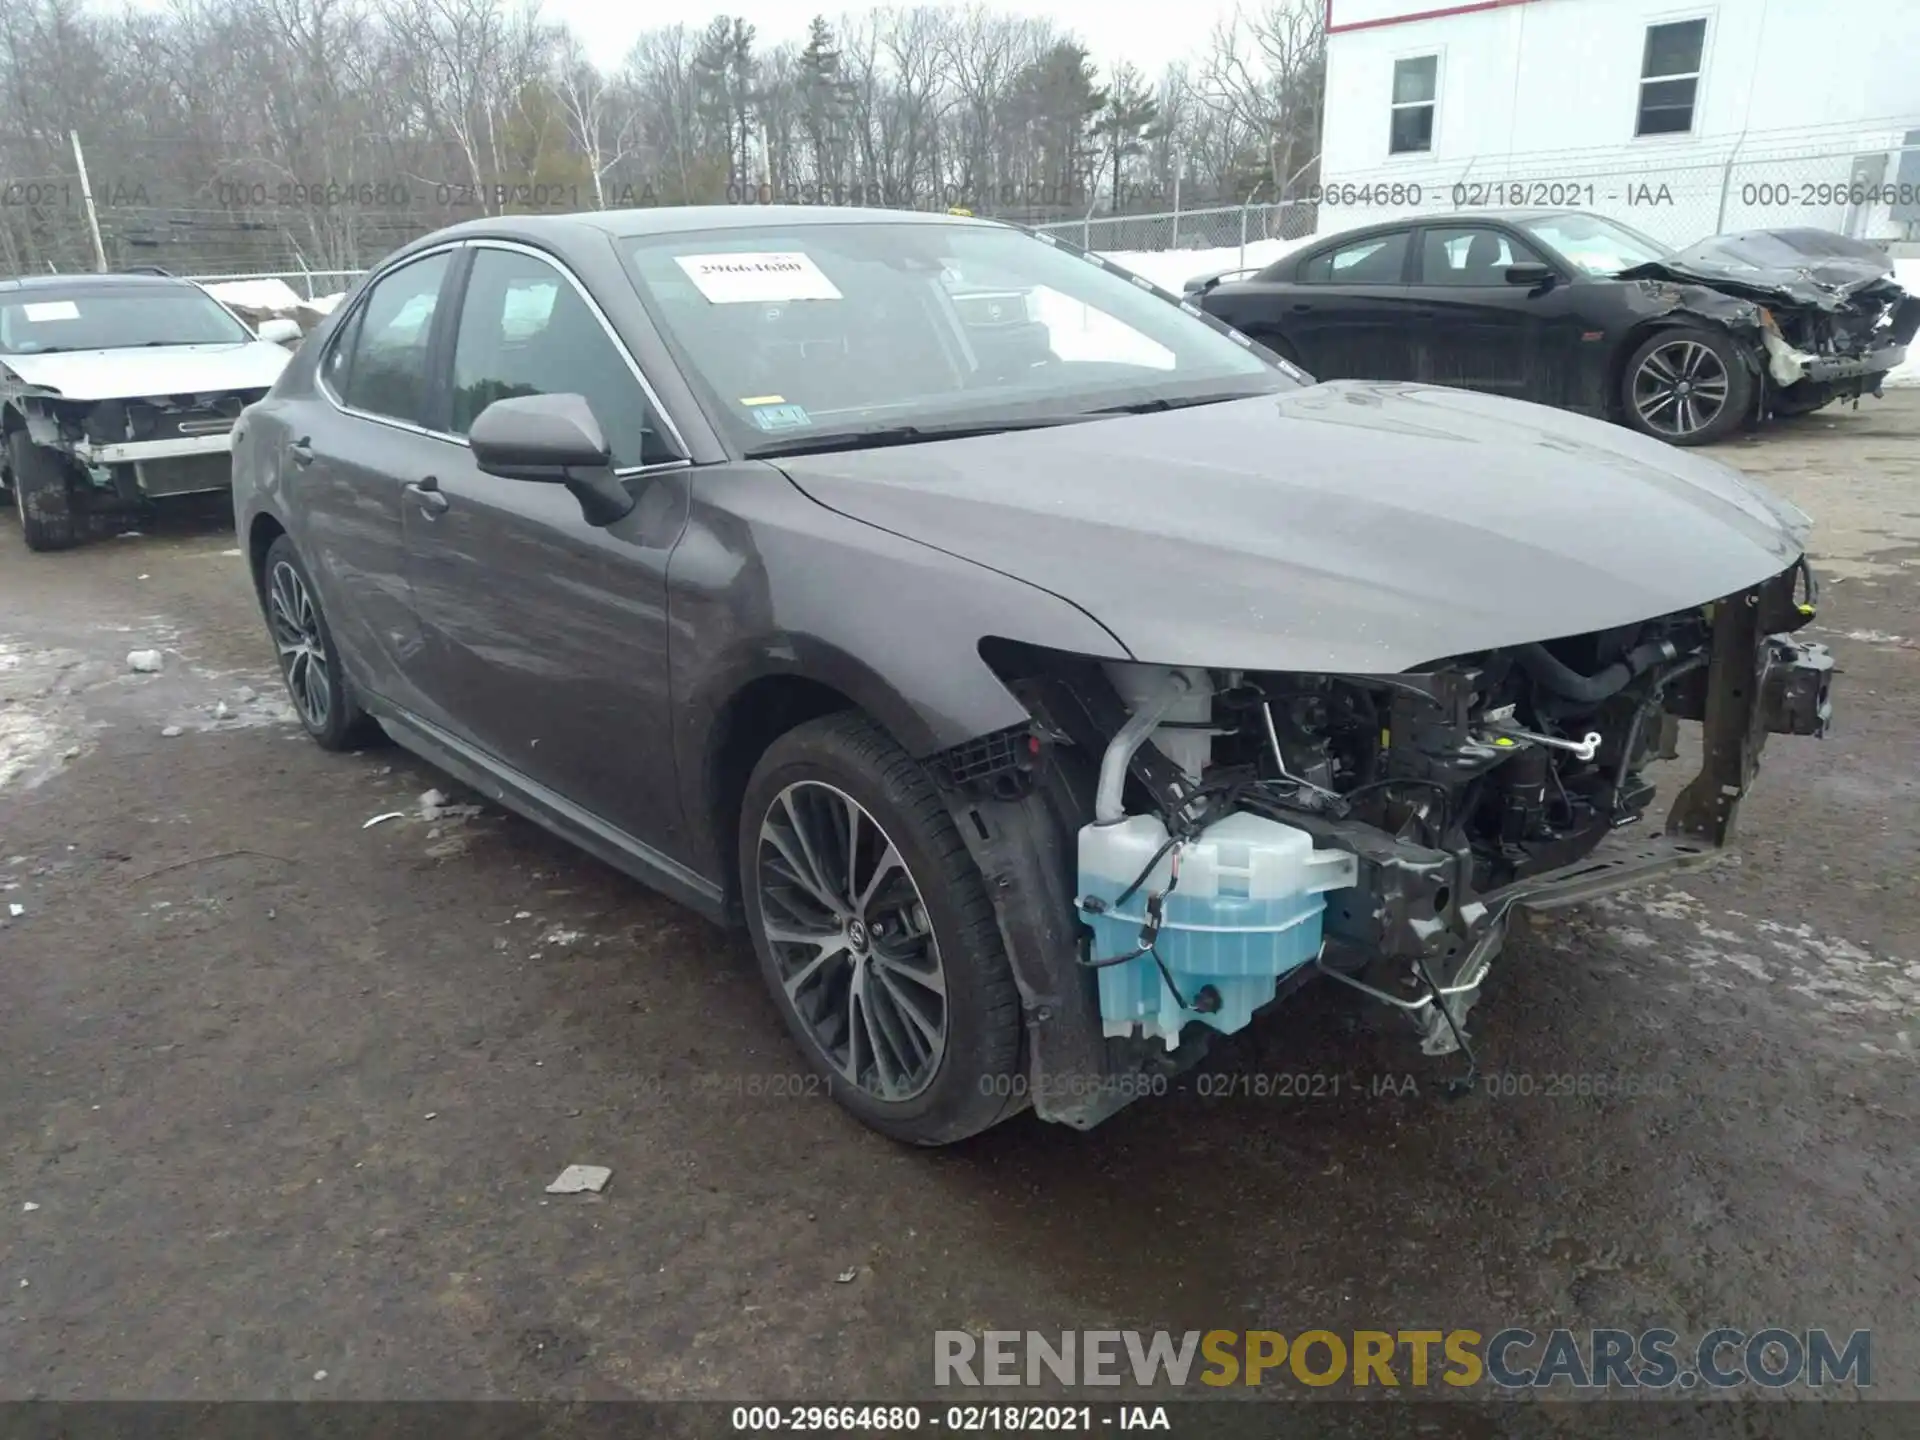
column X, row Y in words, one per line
column 875, row 934
column 851, row 940
column 1687, row 387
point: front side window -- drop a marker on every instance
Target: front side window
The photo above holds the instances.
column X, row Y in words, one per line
column 1469, row 255
column 817, row 331
column 1670, row 77
column 37, row 321
column 1378, row 260
column 386, row 367
column 525, row 330
column 1416, row 85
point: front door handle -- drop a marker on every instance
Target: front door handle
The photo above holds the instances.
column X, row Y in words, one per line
column 428, row 496
column 1300, row 309
column 302, row 450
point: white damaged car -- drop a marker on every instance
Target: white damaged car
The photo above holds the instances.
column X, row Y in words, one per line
column 116, row 390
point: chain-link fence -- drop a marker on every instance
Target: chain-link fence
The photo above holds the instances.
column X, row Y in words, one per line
column 1215, row 228
column 1861, row 184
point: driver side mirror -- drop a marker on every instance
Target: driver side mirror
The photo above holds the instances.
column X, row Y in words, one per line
column 551, row 440
column 1530, row 273
column 279, row 330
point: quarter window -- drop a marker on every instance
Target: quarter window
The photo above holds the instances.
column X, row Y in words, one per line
column 525, row 330
column 1416, row 84
column 1670, row 77
column 1379, row 260
column 386, row 344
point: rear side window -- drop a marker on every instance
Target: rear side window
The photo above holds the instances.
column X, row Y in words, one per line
column 1379, row 260
column 386, row 344
column 525, row 330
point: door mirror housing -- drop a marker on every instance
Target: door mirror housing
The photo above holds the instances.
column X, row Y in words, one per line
column 551, row 440
column 279, row 330
column 1530, row 273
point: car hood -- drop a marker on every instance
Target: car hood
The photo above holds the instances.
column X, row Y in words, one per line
column 1805, row 267
column 1351, row 526
column 156, row 370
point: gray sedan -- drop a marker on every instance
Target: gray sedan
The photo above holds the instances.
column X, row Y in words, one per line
column 1044, row 709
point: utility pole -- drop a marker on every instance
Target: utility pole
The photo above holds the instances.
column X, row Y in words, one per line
column 86, row 200
column 1179, row 163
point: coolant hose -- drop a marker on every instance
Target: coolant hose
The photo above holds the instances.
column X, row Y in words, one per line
column 1108, row 805
column 1570, row 684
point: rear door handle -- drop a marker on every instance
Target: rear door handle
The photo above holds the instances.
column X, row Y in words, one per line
column 302, row 450
column 428, row 496
column 1300, row 309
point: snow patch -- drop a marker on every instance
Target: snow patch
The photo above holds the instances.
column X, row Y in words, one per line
column 30, row 740
column 1843, row 979
column 1172, row 269
column 274, row 295
column 1906, row 270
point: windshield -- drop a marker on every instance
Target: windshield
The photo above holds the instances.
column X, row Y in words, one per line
column 811, row 333
column 1594, row 245
column 41, row 321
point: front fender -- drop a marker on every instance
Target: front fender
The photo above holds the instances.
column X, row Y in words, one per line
column 766, row 582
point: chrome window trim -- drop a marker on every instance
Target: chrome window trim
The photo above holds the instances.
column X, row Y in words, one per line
column 633, row 366
column 333, row 341
column 680, row 462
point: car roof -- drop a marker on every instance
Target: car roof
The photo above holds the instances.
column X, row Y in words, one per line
column 675, row 219
column 1458, row 217
column 89, row 281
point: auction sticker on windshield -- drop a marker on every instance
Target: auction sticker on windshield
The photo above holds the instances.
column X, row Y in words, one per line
column 52, row 310
column 758, row 277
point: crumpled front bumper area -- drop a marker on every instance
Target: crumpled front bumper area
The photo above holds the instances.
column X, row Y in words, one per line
column 1758, row 682
column 1410, row 929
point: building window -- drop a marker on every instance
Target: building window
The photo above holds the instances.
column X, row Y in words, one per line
column 1415, row 83
column 1670, row 77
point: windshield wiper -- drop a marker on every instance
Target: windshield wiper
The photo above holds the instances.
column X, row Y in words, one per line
column 902, row 435
column 1161, row 402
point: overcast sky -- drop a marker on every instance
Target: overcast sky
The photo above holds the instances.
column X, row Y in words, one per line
column 1136, row 30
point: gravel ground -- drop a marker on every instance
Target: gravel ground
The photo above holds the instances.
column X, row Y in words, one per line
column 280, row 1094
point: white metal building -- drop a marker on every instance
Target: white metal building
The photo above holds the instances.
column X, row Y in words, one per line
column 1681, row 118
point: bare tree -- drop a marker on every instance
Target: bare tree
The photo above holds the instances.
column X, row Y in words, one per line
column 1264, row 72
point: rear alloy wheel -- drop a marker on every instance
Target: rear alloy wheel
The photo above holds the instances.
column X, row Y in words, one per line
column 1687, row 386
column 308, row 661
column 42, row 496
column 875, row 934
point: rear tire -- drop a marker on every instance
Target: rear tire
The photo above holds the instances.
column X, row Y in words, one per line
column 309, row 661
column 886, row 961
column 42, row 495
column 1686, row 385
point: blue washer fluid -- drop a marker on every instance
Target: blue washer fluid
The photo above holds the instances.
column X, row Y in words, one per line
column 1247, row 910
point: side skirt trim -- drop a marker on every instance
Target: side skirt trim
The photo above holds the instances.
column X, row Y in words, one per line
column 548, row 809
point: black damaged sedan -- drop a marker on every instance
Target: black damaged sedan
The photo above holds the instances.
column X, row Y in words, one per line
column 1579, row 311
column 1044, row 707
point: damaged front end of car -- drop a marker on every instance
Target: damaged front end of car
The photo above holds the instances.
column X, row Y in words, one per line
column 1820, row 315
column 121, row 452
column 1171, row 849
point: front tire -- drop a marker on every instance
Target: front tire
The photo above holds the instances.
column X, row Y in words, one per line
column 1687, row 386
column 42, row 495
column 309, row 662
column 876, row 936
